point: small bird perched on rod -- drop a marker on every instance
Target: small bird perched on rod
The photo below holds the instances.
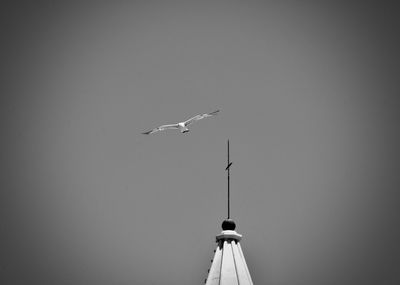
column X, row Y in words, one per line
column 182, row 126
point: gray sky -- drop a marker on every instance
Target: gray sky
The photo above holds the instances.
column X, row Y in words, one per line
column 308, row 98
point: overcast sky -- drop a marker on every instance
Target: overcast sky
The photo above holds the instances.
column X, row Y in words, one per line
column 308, row 93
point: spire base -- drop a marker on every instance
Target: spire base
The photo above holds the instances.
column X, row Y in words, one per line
column 228, row 235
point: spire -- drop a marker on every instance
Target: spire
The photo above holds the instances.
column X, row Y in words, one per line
column 228, row 265
column 228, row 168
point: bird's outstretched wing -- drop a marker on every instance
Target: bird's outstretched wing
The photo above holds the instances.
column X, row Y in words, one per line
column 162, row 128
column 199, row 117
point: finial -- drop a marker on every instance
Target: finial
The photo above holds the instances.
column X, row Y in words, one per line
column 228, row 224
column 228, row 169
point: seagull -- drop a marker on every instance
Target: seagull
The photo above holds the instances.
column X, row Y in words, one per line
column 182, row 126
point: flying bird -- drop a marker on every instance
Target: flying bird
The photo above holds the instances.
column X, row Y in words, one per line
column 182, row 126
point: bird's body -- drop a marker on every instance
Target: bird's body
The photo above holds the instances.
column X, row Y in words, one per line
column 182, row 126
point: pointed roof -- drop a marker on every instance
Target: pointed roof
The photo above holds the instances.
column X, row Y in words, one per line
column 229, row 266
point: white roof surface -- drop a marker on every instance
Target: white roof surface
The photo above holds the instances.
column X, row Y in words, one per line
column 229, row 266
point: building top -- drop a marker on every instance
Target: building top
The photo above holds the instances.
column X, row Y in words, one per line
column 228, row 265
